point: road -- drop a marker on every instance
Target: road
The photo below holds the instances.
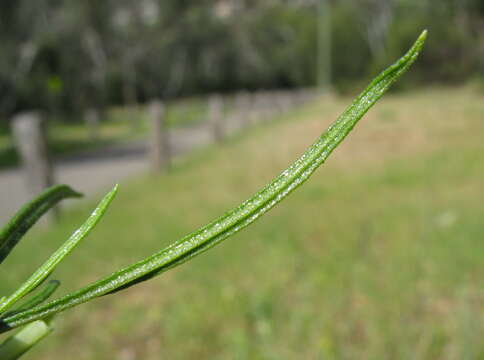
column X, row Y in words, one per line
column 94, row 172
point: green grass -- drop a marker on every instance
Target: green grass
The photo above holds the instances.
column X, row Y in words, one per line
column 379, row 256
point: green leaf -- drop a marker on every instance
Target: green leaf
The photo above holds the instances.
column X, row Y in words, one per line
column 17, row 345
column 28, row 215
column 45, row 270
column 43, row 295
column 235, row 220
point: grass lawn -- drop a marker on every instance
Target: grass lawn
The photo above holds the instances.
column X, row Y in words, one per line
column 379, row 256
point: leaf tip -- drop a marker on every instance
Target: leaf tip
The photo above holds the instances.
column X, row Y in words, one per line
column 112, row 194
column 414, row 51
column 419, row 43
column 423, row 36
column 76, row 194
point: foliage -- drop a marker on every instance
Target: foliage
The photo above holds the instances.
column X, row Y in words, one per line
column 184, row 249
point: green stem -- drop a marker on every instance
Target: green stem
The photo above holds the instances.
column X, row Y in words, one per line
column 46, row 269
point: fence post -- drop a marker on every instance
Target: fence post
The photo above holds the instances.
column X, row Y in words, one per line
column 255, row 113
column 279, row 102
column 160, row 150
column 266, row 105
column 216, row 113
column 289, row 100
column 242, row 108
column 31, row 142
column 91, row 119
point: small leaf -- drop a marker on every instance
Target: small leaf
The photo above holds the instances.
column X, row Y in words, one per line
column 45, row 270
column 43, row 295
column 237, row 219
column 17, row 345
column 28, row 215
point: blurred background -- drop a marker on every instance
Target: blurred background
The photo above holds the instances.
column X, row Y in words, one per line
column 380, row 255
column 63, row 56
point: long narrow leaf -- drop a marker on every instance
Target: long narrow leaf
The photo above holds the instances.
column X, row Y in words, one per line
column 44, row 271
column 39, row 298
column 235, row 220
column 28, row 215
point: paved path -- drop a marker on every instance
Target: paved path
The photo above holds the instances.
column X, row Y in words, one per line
column 97, row 171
